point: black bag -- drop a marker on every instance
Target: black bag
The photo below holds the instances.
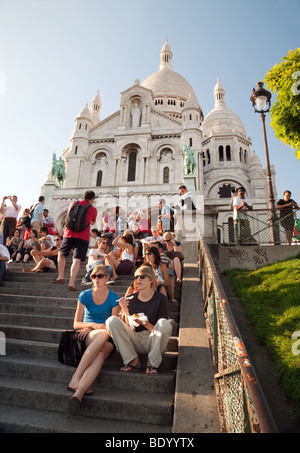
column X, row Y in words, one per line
column 76, row 217
column 70, row 349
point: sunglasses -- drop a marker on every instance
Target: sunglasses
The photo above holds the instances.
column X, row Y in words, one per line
column 98, row 276
column 140, row 276
column 148, row 253
column 57, row 240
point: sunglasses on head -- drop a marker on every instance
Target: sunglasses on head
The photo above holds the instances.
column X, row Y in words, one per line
column 140, row 276
column 98, row 276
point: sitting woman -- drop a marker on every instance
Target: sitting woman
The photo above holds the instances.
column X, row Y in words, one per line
column 173, row 251
column 14, row 243
column 150, row 337
column 152, row 257
column 94, row 307
column 46, row 260
column 28, row 245
column 45, row 238
column 123, row 265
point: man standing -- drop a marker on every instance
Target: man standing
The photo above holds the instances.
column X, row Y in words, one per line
column 76, row 240
column 4, row 258
column 37, row 217
column 10, row 213
column 241, row 222
column 187, row 199
column 165, row 215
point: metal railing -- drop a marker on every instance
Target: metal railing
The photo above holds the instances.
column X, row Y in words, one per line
column 261, row 226
column 241, row 404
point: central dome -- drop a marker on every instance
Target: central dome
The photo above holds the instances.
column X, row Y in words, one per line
column 170, row 90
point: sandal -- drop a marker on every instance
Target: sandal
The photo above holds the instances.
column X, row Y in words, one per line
column 131, row 368
column 27, row 269
column 58, row 281
column 152, row 371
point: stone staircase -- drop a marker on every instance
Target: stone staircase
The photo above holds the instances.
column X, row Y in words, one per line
column 33, row 394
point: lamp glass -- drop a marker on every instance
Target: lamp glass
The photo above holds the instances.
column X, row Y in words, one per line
column 261, row 102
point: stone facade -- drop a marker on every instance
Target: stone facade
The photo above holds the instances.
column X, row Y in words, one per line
column 134, row 157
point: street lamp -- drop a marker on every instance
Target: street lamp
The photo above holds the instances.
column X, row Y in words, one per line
column 261, row 102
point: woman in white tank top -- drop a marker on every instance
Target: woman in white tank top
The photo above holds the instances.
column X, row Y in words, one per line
column 125, row 266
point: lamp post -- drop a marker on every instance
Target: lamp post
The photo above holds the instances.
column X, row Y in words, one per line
column 261, row 102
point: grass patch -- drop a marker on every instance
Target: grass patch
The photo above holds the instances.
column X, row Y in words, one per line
column 271, row 300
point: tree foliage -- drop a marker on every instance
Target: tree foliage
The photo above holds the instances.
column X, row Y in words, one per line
column 284, row 80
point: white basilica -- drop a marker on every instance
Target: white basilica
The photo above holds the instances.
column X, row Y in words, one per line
column 135, row 157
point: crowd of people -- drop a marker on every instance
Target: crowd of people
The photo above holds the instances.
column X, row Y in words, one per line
column 125, row 244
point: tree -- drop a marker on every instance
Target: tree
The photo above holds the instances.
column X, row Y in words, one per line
column 284, row 79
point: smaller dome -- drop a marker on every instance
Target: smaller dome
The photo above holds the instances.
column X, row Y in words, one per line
column 97, row 99
column 221, row 119
column 191, row 103
column 85, row 113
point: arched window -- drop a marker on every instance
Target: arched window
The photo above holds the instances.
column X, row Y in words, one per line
column 221, row 154
column 99, row 178
column 228, row 152
column 131, row 166
column 166, row 175
column 208, row 156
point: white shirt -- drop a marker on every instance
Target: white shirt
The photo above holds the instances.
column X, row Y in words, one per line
column 10, row 211
column 4, row 252
column 237, row 201
column 184, row 197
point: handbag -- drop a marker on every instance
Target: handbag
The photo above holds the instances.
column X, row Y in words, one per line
column 70, row 349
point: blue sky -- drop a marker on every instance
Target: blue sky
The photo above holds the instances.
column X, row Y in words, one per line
column 54, row 56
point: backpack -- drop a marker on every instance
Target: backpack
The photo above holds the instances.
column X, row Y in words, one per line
column 76, row 217
column 70, row 349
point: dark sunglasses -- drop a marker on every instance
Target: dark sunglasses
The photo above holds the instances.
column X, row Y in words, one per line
column 149, row 253
column 56, row 240
column 140, row 276
column 98, row 276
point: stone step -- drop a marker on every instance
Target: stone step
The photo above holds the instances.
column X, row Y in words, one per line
column 110, row 377
column 33, row 313
column 40, row 421
column 48, row 349
column 129, row 406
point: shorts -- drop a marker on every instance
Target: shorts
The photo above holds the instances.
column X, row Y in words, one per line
column 79, row 246
column 110, row 340
column 125, row 267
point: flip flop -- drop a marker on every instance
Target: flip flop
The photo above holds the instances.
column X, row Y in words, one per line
column 132, row 368
column 89, row 392
column 58, row 281
column 72, row 288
